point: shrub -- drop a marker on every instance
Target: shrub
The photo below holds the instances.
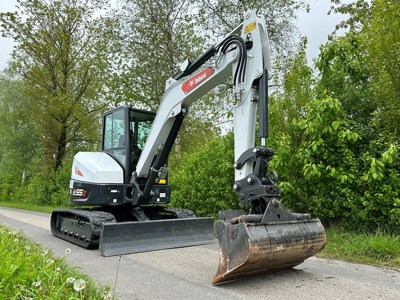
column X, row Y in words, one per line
column 203, row 183
column 337, row 176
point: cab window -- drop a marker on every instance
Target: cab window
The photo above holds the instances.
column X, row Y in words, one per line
column 114, row 135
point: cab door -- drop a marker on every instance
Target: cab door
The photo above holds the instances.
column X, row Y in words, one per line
column 115, row 140
column 125, row 131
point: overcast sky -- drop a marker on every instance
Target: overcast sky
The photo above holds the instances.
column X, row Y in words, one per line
column 316, row 25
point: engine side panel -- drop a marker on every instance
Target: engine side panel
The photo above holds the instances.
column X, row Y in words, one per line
column 96, row 167
column 103, row 194
column 84, row 193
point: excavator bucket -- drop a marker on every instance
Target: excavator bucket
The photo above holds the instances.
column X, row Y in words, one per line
column 133, row 237
column 249, row 245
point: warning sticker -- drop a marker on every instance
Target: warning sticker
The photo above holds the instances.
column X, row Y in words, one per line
column 250, row 27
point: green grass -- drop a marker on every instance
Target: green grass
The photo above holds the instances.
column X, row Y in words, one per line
column 28, row 206
column 27, row 271
column 379, row 249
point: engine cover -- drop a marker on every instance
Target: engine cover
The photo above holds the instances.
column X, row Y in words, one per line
column 96, row 167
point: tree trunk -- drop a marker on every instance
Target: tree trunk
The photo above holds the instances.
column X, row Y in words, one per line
column 61, row 147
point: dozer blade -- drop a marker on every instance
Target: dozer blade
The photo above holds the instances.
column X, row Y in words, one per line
column 249, row 249
column 134, row 237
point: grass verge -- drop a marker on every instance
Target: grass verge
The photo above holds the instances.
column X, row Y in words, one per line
column 28, row 206
column 27, row 271
column 378, row 249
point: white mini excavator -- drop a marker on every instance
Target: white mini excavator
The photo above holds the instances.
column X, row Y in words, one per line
column 126, row 184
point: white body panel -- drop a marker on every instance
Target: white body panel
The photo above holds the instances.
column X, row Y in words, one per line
column 96, row 167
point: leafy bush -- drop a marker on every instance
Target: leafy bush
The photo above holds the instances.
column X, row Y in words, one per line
column 60, row 186
column 7, row 184
column 205, row 178
column 51, row 189
column 333, row 175
column 37, row 190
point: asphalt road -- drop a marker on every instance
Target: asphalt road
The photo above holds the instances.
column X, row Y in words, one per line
column 186, row 273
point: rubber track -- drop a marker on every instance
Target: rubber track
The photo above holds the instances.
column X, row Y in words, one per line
column 94, row 218
column 179, row 213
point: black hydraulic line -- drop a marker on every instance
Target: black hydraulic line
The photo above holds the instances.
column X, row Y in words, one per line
column 242, row 61
column 261, row 164
column 197, row 63
column 224, row 48
column 243, row 58
column 162, row 156
column 263, row 105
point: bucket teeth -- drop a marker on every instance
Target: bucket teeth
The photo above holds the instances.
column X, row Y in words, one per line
column 249, row 249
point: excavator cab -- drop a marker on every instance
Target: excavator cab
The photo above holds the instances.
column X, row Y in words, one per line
column 125, row 131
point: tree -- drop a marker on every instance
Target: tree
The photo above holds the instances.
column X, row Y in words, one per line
column 377, row 25
column 381, row 39
column 18, row 146
column 288, row 103
column 61, row 52
column 358, row 12
column 220, row 17
column 344, row 76
column 155, row 36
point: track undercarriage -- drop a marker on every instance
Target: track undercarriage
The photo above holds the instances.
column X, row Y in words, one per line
column 80, row 227
column 126, row 229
